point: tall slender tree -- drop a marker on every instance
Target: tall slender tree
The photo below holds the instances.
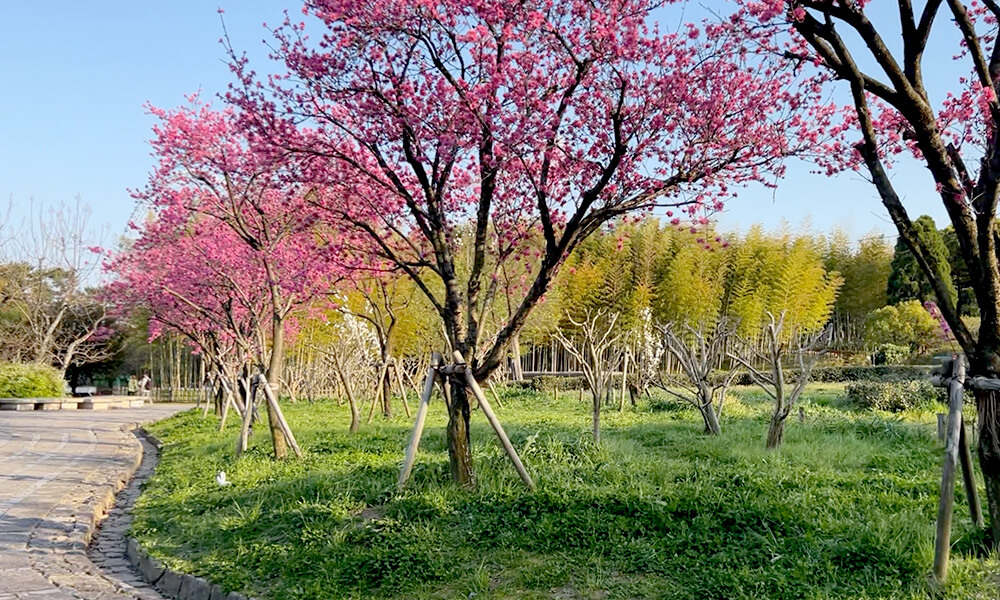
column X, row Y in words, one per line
column 879, row 53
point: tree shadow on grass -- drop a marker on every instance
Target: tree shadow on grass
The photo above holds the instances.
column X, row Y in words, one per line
column 656, row 505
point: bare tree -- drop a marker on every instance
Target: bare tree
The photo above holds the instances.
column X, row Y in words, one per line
column 50, row 286
column 770, row 377
column 699, row 355
column 596, row 347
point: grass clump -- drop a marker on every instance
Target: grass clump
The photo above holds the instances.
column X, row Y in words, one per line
column 845, row 509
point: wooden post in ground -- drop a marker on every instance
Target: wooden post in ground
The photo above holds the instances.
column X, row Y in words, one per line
column 282, row 423
column 209, row 391
column 379, row 389
column 402, row 390
column 418, row 425
column 230, row 400
column 244, row 442
column 942, row 542
column 470, row 379
column 969, row 478
column 621, row 399
column 355, row 413
column 493, row 390
column 941, row 426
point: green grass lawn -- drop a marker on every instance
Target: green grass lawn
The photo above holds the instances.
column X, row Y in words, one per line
column 845, row 509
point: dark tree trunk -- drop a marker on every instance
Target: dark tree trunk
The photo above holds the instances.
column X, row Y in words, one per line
column 708, row 414
column 776, row 431
column 459, row 446
column 988, row 404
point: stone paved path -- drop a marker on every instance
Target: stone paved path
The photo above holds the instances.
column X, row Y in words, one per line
column 59, row 470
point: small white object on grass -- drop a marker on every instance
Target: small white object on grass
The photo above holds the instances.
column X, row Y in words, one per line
column 221, row 478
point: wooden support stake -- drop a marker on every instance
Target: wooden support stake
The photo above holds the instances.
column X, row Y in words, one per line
column 282, row 423
column 244, row 442
column 229, row 400
column 621, row 400
column 470, row 379
column 355, row 413
column 402, row 390
column 378, row 391
column 942, row 542
column 802, row 414
column 493, row 390
column 969, row 478
column 210, row 391
column 418, row 425
column 942, row 428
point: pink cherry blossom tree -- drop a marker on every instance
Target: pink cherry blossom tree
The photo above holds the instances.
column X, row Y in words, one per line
column 426, row 119
column 233, row 240
column 903, row 107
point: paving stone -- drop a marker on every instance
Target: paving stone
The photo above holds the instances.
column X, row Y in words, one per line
column 72, row 463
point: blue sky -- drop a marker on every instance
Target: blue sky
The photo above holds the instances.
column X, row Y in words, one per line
column 77, row 75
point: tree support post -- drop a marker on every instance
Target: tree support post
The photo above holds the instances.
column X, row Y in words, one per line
column 494, row 422
column 493, row 390
column 402, row 390
column 229, row 401
column 942, row 542
column 282, row 423
column 418, row 426
column 244, row 441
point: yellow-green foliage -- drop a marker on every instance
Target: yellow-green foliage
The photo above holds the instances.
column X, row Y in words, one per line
column 692, row 287
column 613, row 272
column 906, row 323
column 865, row 271
column 29, row 381
column 779, row 274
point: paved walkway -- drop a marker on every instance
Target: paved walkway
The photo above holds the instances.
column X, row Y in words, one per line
column 58, row 470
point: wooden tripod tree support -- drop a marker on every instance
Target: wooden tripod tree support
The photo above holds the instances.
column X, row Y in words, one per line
column 248, row 416
column 260, row 382
column 459, row 368
column 229, row 401
column 956, row 452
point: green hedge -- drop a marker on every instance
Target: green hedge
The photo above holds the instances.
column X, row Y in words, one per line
column 881, row 373
column 893, row 396
column 549, row 383
column 30, row 381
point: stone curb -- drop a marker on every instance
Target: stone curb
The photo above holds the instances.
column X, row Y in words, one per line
column 181, row 586
column 107, row 494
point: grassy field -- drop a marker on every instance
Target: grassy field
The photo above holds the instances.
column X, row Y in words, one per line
column 845, row 509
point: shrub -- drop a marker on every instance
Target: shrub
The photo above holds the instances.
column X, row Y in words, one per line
column 549, row 383
column 883, row 373
column 847, row 374
column 890, row 354
column 29, row 381
column 893, row 396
